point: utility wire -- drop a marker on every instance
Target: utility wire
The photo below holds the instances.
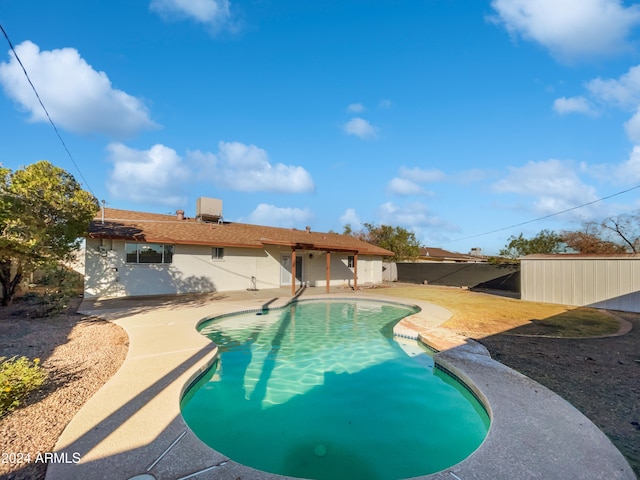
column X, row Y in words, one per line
column 45, row 109
column 546, row 216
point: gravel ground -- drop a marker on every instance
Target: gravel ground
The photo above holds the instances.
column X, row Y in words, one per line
column 79, row 354
column 599, row 376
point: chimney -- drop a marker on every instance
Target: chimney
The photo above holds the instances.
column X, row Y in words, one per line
column 308, row 229
column 180, row 214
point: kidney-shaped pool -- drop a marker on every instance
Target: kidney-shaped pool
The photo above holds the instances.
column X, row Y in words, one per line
column 322, row 390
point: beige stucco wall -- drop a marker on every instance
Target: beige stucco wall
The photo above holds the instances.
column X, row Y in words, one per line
column 193, row 270
column 611, row 283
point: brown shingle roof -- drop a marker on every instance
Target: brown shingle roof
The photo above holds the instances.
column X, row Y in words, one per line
column 158, row 228
column 441, row 254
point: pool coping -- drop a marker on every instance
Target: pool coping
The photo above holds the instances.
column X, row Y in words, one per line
column 132, row 426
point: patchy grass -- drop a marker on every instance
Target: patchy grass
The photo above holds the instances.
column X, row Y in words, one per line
column 479, row 314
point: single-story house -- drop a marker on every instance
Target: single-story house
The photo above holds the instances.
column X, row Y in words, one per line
column 134, row 253
column 601, row 281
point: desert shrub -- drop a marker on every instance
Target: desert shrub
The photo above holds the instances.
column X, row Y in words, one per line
column 57, row 286
column 61, row 278
column 18, row 377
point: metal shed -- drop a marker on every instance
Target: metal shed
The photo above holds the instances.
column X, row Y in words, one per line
column 601, row 281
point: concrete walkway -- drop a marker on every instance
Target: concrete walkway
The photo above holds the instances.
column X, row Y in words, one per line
column 132, row 427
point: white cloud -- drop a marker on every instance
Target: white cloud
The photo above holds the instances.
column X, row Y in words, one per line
column 470, row 176
column 160, row 174
column 417, row 218
column 409, row 180
column 564, row 105
column 623, row 92
column 215, row 13
column 246, row 168
column 355, row 107
column 632, row 127
column 413, row 216
column 350, row 217
column 570, row 28
column 553, row 184
column 157, row 175
column 286, row 217
column 384, row 103
column 628, row 172
column 360, row 128
column 405, row 187
column 78, row 98
column 422, row 175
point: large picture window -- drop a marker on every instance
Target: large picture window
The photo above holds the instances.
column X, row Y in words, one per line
column 148, row 253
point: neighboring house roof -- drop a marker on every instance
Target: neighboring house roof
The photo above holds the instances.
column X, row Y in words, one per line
column 439, row 254
column 157, row 228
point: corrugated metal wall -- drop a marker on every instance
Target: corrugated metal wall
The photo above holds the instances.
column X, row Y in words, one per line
column 601, row 282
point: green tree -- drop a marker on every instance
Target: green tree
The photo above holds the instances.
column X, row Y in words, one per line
column 544, row 242
column 347, row 230
column 399, row 240
column 43, row 213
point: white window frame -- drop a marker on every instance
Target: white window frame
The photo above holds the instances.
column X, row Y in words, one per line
column 351, row 261
column 217, row 254
column 165, row 248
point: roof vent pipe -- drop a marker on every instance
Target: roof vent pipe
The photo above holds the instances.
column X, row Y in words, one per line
column 180, row 214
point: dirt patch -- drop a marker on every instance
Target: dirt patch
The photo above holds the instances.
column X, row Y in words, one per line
column 599, row 376
column 79, row 354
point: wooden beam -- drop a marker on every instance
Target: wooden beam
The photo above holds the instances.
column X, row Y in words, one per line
column 355, row 271
column 293, row 272
column 328, row 270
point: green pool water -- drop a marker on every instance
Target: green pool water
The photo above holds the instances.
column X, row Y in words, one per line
column 323, row 390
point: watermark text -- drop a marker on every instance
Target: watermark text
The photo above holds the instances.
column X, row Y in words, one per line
column 18, row 458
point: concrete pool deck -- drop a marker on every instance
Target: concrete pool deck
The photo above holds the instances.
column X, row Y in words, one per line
column 132, row 427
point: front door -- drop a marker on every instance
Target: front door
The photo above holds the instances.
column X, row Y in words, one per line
column 285, row 270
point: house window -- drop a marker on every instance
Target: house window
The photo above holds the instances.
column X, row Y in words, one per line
column 217, row 253
column 148, row 253
column 351, row 262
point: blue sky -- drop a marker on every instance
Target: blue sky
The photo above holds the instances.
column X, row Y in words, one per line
column 451, row 118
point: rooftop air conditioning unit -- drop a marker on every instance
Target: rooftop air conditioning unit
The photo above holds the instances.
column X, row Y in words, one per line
column 208, row 209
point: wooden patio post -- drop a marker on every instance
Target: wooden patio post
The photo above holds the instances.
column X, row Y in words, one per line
column 328, row 270
column 293, row 272
column 355, row 271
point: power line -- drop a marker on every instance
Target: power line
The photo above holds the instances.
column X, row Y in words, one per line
column 45, row 110
column 546, row 216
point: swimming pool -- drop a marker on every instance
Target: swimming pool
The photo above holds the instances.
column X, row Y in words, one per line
column 321, row 389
